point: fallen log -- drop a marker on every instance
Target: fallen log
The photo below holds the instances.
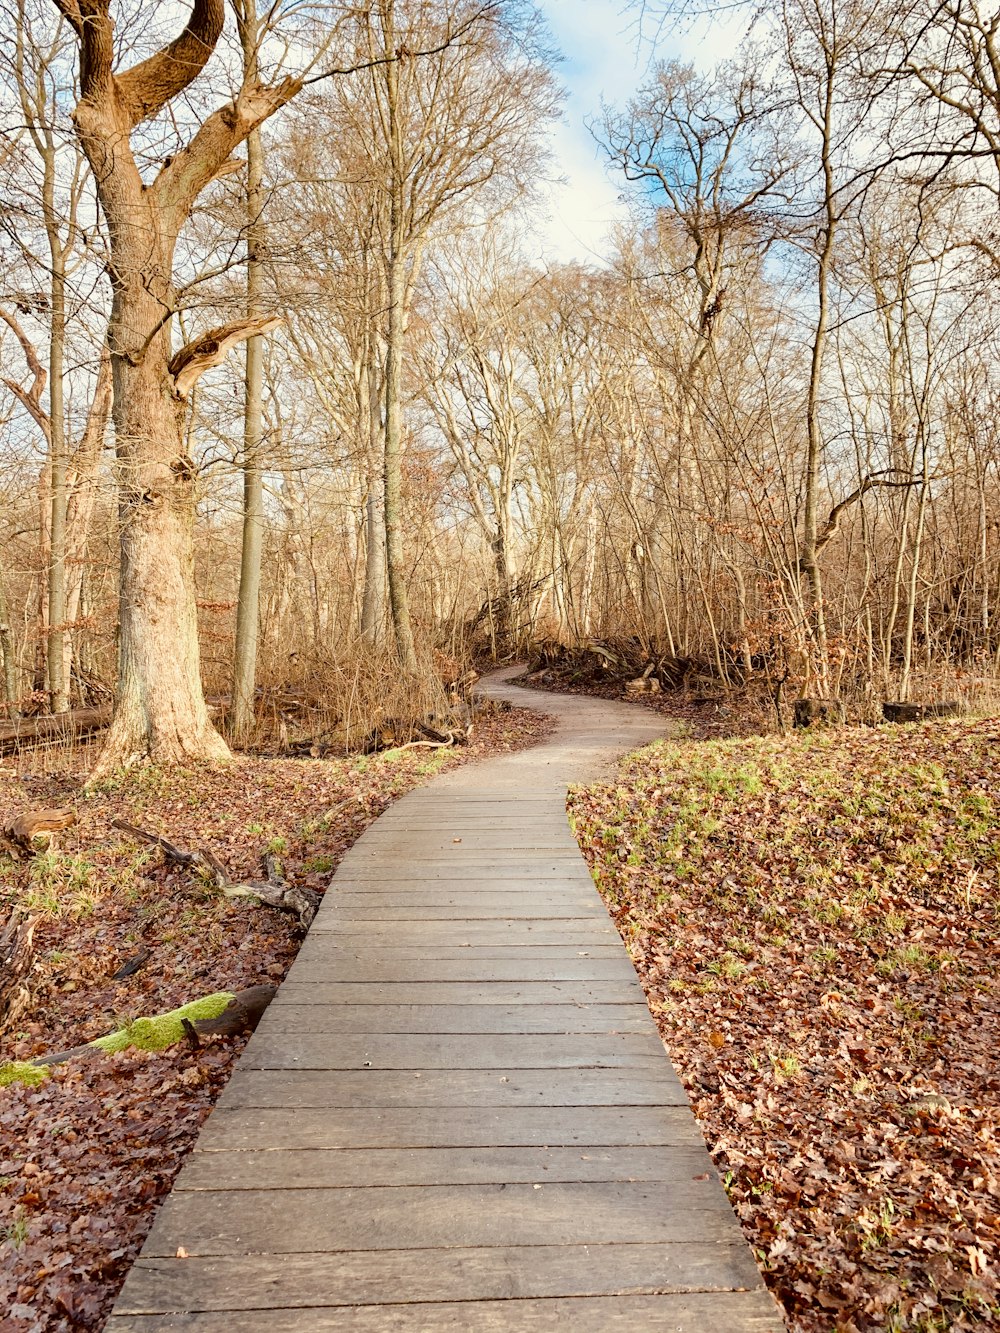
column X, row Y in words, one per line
column 906, row 712
column 225, row 1013
column 274, row 892
column 27, row 732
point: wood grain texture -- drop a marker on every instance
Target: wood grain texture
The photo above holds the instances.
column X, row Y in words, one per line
column 448, row 1019
column 300, row 1090
column 463, row 1274
column 479, row 1126
column 457, row 1113
column 523, row 1050
column 317, row 1221
column 344, row 1167
column 700, row 1312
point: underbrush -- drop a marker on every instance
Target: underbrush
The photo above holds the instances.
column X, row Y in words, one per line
column 814, row 919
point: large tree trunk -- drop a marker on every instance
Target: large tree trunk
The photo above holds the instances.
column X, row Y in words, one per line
column 160, row 709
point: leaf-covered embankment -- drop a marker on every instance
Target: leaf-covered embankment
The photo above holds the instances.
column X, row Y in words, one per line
column 814, row 919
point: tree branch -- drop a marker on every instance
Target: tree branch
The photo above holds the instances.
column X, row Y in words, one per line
column 92, row 22
column 486, row 11
column 149, row 86
column 208, row 154
column 832, row 525
column 30, row 399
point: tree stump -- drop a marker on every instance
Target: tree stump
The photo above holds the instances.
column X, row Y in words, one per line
column 906, row 712
column 818, row 712
column 33, row 830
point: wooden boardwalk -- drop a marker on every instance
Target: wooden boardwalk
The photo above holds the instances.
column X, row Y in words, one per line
column 457, row 1113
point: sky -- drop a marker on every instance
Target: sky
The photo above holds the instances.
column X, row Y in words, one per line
column 603, row 57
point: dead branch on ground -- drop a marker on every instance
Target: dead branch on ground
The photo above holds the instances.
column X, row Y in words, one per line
column 274, row 892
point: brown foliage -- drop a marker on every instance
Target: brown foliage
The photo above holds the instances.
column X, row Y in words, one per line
column 814, row 921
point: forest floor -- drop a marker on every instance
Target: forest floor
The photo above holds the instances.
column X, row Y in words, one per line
column 814, row 920
column 86, row 1155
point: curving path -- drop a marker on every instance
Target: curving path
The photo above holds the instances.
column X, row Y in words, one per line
column 457, row 1113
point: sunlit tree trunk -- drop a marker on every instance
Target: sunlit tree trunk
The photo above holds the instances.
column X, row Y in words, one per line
column 252, row 547
column 399, row 599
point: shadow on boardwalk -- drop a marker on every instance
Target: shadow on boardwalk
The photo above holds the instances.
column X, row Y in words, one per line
column 457, row 1114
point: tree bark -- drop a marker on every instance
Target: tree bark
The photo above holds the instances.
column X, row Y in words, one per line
column 373, row 597
column 81, row 491
column 251, row 555
column 393, row 474
column 58, row 679
column 7, row 650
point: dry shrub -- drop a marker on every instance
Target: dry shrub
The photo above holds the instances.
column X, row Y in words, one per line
column 357, row 698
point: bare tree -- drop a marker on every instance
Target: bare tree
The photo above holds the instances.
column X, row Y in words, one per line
column 432, row 148
column 252, row 545
column 160, row 709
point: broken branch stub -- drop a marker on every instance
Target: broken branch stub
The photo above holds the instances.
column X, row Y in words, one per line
column 189, row 364
column 41, row 824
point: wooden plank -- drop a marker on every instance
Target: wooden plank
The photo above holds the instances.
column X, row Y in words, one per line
column 431, row 822
column 323, row 947
column 471, row 991
column 401, row 885
column 300, row 1090
column 483, row 868
column 341, row 1168
column 522, row 907
column 697, row 1312
column 231, row 1222
column 377, row 1051
column 453, row 1019
column 577, row 972
column 409, row 1276
column 580, row 930
column 371, row 894
column 436, row 1126
column 492, row 844
column 400, row 848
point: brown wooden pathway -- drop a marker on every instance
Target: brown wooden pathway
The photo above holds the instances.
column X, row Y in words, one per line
column 457, row 1113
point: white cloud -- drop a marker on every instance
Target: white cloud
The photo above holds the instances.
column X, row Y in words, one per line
column 604, row 59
